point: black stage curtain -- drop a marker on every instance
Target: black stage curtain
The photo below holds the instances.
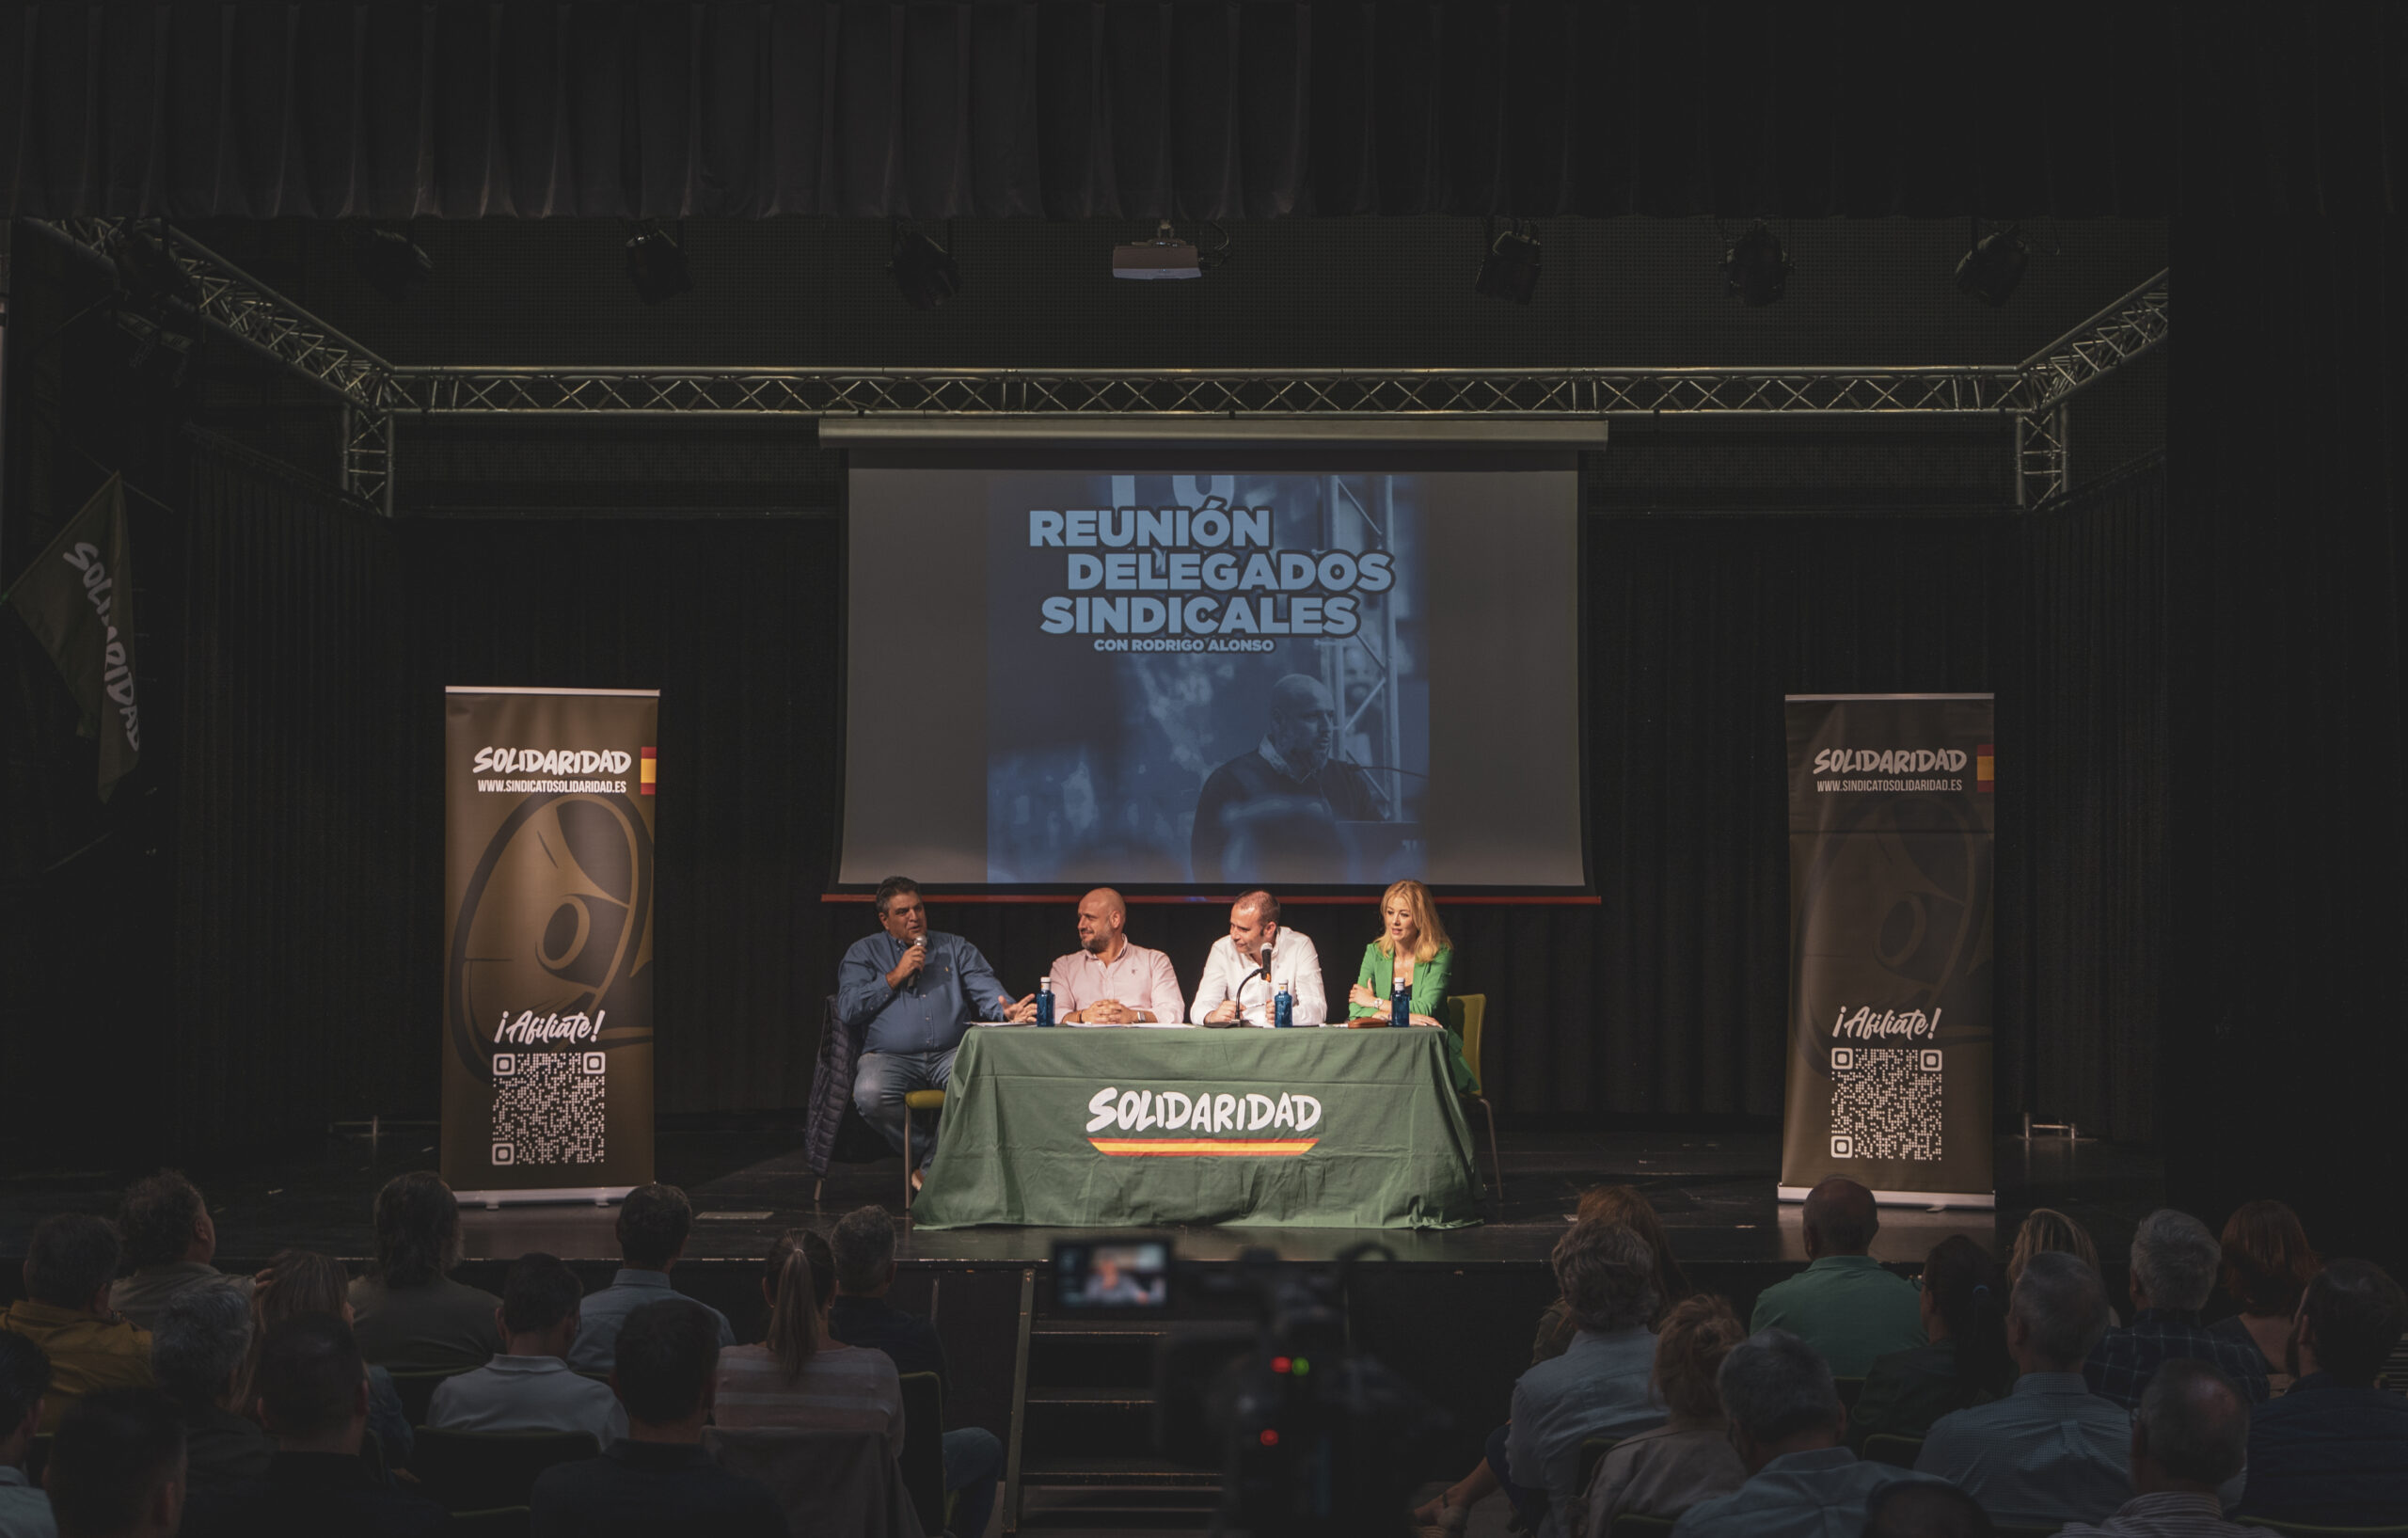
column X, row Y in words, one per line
column 1078, row 109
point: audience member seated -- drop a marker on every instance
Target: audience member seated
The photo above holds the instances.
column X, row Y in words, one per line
column 116, row 1466
column 1598, row 1387
column 658, row 1482
column 1627, row 1206
column 862, row 1248
column 314, row 1399
column 1665, row 1471
column 2174, row 1269
column 407, row 1310
column 66, row 1311
column 654, row 1221
column 530, row 1387
column 1622, row 1204
column 1964, row 1311
column 299, row 1282
column 1924, row 1509
column 169, row 1241
column 2267, row 1263
column 802, row 1376
column 1789, row 1429
column 25, row 1378
column 2050, row 1451
column 200, row 1355
column 2189, row 1438
column 2044, row 1230
column 1843, row 1304
column 2333, row 1452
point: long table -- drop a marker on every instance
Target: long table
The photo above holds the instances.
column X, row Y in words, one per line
column 1119, row 1127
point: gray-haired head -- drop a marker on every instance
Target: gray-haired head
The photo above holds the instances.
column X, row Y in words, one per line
column 1607, row 1275
column 202, row 1336
column 2061, row 1303
column 1774, row 1386
column 2195, row 1423
column 2174, row 1259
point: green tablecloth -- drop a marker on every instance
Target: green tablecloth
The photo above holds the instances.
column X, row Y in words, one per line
column 1317, row 1128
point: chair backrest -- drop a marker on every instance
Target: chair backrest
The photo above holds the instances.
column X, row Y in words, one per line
column 477, row 1471
column 500, row 1522
column 1592, row 1452
column 826, row 1482
column 417, row 1386
column 1632, row 1524
column 1898, row 1452
column 1467, row 1013
column 922, row 1460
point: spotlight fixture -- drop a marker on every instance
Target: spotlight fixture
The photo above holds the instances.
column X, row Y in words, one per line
column 158, row 306
column 149, row 272
column 1755, row 269
column 1511, row 268
column 924, row 271
column 1164, row 256
column 655, row 263
column 1991, row 269
column 391, row 260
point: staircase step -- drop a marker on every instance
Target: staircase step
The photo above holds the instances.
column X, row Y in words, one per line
column 1122, row 1473
column 1103, row 1395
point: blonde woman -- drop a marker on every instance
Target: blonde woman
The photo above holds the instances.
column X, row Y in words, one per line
column 1412, row 949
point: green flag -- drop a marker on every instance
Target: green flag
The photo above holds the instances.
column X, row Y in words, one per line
column 78, row 599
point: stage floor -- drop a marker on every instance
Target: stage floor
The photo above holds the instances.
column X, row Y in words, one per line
column 749, row 1181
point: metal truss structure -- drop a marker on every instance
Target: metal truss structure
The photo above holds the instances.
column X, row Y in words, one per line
column 375, row 394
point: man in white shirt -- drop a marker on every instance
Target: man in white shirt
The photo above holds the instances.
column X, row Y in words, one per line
column 530, row 1387
column 1235, row 992
column 1108, row 981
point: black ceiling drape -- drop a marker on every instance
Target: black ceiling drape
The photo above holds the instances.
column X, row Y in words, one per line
column 1082, row 108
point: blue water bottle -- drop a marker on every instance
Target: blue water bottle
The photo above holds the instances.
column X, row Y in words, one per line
column 1283, row 1009
column 1045, row 1000
column 1401, row 1005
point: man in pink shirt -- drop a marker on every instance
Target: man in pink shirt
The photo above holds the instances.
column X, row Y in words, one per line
column 1108, row 981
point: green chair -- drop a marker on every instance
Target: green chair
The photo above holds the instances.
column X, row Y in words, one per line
column 417, row 1386
column 922, row 1463
column 1898, row 1452
column 1849, row 1389
column 1465, row 1012
column 2310, row 1529
column 1592, row 1452
column 1631, row 1525
column 915, row 1100
column 500, row 1522
column 481, row 1470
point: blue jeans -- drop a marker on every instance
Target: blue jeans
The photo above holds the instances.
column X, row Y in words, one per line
column 974, row 1464
column 1528, row 1504
column 881, row 1079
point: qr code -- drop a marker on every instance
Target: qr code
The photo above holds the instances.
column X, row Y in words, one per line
column 1885, row 1103
column 548, row 1107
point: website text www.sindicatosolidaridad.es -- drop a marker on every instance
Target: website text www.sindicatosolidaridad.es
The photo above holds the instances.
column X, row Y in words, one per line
column 1889, row 769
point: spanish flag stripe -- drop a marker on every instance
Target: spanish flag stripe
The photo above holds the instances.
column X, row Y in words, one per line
column 1194, row 1147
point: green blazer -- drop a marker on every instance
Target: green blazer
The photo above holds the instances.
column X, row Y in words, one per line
column 1430, row 981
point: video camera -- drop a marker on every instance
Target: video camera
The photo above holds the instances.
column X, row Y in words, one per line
column 1310, row 1435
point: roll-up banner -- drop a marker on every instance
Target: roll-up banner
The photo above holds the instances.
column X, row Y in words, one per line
column 548, row 884
column 1891, row 870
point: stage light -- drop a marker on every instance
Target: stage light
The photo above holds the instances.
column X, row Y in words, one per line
column 1991, row 269
column 1755, row 269
column 148, row 273
column 655, row 263
column 1164, row 256
column 924, row 270
column 388, row 259
column 1511, row 268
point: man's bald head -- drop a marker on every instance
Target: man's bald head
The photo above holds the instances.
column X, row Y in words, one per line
column 1299, row 692
column 1104, row 914
column 1839, row 1217
column 1253, row 921
column 1304, row 722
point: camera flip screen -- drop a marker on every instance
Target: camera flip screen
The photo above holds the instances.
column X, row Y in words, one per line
column 1122, row 1274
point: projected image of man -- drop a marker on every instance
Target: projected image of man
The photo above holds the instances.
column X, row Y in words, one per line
column 911, row 992
column 1108, row 981
column 1273, row 811
column 1248, row 966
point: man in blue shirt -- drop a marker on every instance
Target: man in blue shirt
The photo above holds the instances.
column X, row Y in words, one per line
column 2333, row 1452
column 654, row 1223
column 2050, row 1452
column 1600, row 1386
column 912, row 993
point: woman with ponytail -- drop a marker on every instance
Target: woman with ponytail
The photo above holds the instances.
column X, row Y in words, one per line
column 801, row 1376
column 1964, row 1318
